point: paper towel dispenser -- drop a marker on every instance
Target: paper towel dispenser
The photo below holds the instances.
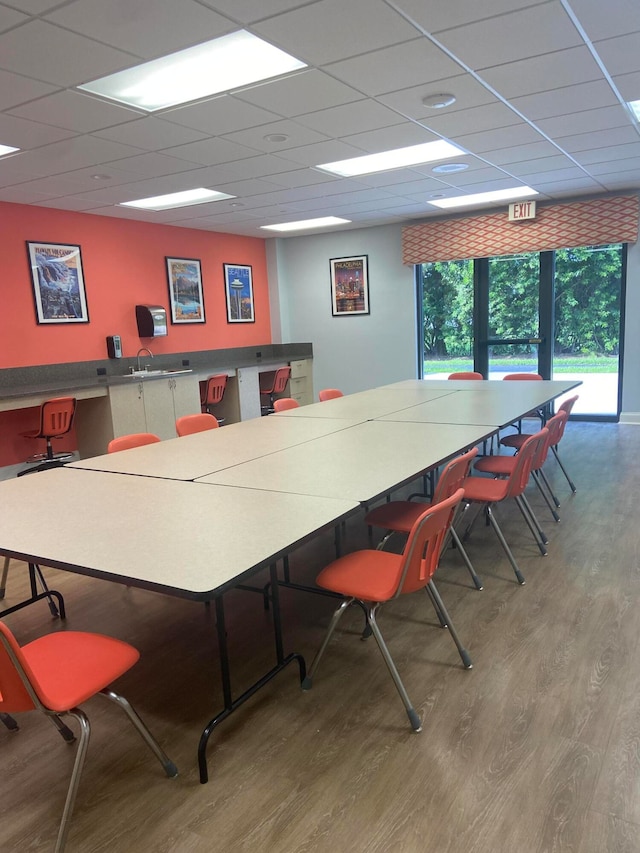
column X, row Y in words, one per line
column 152, row 321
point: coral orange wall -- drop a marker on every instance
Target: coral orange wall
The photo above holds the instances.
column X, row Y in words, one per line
column 124, row 264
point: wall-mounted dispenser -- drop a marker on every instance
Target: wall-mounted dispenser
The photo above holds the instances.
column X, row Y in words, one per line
column 152, row 321
column 114, row 346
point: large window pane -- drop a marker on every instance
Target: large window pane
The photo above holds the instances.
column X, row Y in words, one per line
column 447, row 317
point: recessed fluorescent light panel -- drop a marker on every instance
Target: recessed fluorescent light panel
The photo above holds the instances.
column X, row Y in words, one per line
column 225, row 63
column 7, row 149
column 323, row 222
column 398, row 158
column 182, row 199
column 635, row 109
column 484, row 198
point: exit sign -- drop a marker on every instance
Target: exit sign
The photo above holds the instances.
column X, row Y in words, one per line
column 522, row 210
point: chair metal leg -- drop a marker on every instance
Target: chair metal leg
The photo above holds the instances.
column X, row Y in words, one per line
column 9, row 722
column 563, row 469
column 5, row 572
column 463, row 553
column 540, row 480
column 412, row 714
column 81, row 754
column 169, row 767
column 337, row 615
column 65, row 731
column 464, row 654
column 441, row 617
column 493, row 522
column 533, row 524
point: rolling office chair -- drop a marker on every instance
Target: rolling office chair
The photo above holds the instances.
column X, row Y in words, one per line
column 211, row 393
column 55, row 674
column 56, row 420
column 190, row 424
column 284, row 403
column 135, row 439
column 371, row 578
column 329, row 394
column 278, row 385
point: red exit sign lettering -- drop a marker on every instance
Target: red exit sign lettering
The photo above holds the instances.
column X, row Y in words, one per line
column 522, row 210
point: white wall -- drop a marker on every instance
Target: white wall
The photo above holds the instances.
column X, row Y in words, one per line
column 357, row 352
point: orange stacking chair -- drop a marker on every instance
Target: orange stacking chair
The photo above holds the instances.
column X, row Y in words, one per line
column 278, row 385
column 329, row 394
column 487, row 492
column 55, row 674
column 466, row 374
column 400, row 516
column 188, row 424
column 211, row 393
column 371, row 578
column 56, row 420
column 135, row 439
column 284, row 403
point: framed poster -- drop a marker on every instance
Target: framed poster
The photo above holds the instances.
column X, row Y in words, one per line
column 58, row 283
column 185, row 290
column 349, row 286
column 238, row 290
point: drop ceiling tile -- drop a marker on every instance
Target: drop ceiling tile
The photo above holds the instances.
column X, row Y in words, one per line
column 628, row 85
column 558, row 189
column 250, row 188
column 387, row 138
column 585, row 121
column 211, row 151
column 70, row 203
column 19, row 195
column 483, row 176
column 299, row 93
column 437, row 16
column 73, row 154
column 224, row 114
column 400, row 180
column 568, row 99
column 505, row 137
column 36, row 7
column 147, row 28
column 321, row 152
column 543, row 73
column 151, row 134
column 531, row 151
column 11, row 18
column 249, row 11
column 608, row 153
column 513, row 36
column 393, row 68
column 152, row 164
column 303, row 178
column 16, row 89
column 611, row 167
column 350, row 118
column 48, row 53
column 532, row 178
column 631, row 180
column 25, row 135
column 604, row 20
column 597, row 139
column 468, row 92
column 620, row 55
column 297, row 134
column 75, row 111
column 312, row 34
column 486, row 117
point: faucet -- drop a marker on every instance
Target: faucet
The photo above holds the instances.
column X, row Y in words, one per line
column 139, row 353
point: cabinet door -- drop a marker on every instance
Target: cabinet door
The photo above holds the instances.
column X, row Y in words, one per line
column 158, row 407
column 127, row 409
column 186, row 395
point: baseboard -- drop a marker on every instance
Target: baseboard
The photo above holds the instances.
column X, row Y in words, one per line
column 629, row 417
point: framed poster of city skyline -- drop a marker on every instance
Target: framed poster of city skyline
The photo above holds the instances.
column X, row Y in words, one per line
column 349, row 285
column 238, row 291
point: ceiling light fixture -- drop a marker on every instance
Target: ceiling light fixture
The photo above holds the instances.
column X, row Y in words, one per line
column 181, row 199
column 235, row 60
column 437, row 102
column 450, row 168
column 488, row 197
column 398, row 158
column 635, row 108
column 276, row 137
column 302, row 224
column 7, row 149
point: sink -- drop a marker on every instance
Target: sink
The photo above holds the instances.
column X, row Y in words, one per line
column 143, row 374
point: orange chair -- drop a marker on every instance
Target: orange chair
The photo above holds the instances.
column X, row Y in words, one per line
column 400, row 516
column 189, row 424
column 329, row 394
column 126, row 442
column 487, row 492
column 371, row 578
column 211, row 393
column 55, row 674
column 284, row 403
column 56, row 420
column 520, row 377
column 278, row 385
column 465, row 374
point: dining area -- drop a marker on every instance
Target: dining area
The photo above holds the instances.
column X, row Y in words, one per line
column 186, row 528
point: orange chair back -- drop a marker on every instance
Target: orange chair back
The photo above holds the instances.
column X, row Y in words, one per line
column 567, row 406
column 56, row 417
column 190, row 424
column 422, row 550
column 329, row 394
column 126, row 442
column 525, row 376
column 285, row 403
column 465, row 374
column 519, row 477
column 14, row 696
column 453, row 475
column 280, row 380
column 214, row 389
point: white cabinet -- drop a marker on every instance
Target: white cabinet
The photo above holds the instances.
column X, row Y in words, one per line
column 167, row 399
column 301, row 381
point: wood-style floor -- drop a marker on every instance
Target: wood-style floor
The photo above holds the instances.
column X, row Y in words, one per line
column 537, row 748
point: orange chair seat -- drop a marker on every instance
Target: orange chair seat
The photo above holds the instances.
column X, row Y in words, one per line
column 484, row 490
column 500, row 466
column 366, row 575
column 91, row 662
column 517, row 439
column 399, row 516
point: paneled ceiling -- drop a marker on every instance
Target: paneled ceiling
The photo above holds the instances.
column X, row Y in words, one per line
column 540, row 88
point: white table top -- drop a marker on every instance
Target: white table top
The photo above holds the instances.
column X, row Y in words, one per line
column 358, row 464
column 184, row 539
column 205, row 452
column 368, row 405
